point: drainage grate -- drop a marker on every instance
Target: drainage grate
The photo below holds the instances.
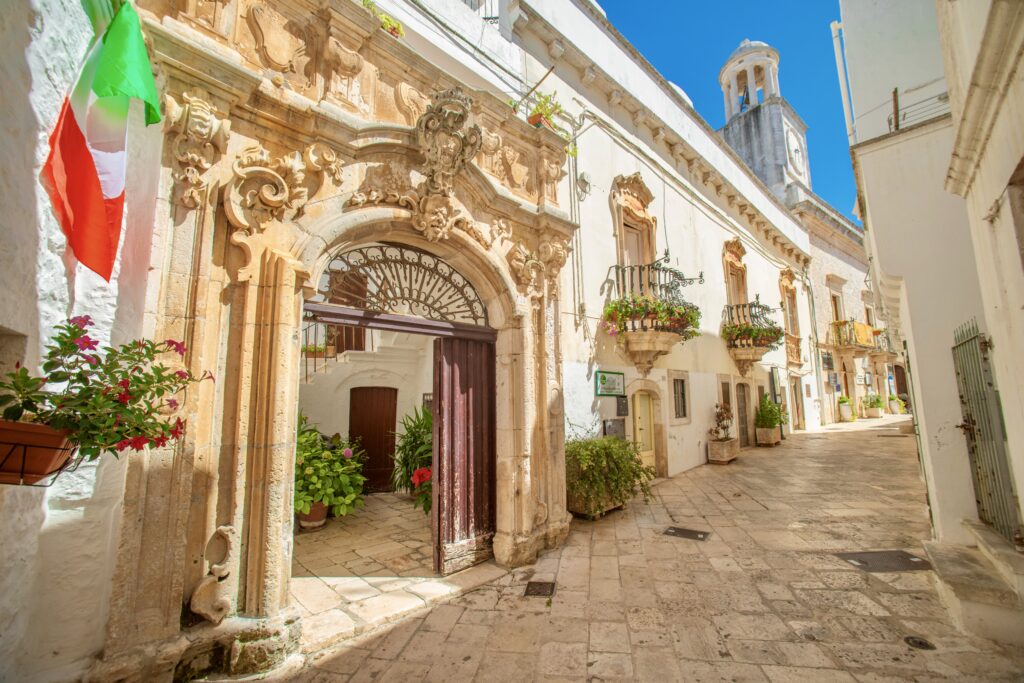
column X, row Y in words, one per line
column 692, row 534
column 918, row 643
column 539, row 589
column 885, row 561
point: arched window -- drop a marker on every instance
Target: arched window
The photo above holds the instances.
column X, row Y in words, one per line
column 735, row 272
column 635, row 228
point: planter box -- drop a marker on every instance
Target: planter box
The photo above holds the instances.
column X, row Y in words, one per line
column 576, row 506
column 768, row 437
column 894, row 407
column 873, row 412
column 316, row 518
column 31, row 452
column 723, row 452
column 540, row 121
column 845, row 412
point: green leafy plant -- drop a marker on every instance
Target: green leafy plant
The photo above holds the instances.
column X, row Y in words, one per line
column 328, row 470
column 387, row 22
column 107, row 399
column 873, row 401
column 422, row 489
column 768, row 415
column 604, row 472
column 681, row 318
column 898, row 400
column 844, row 400
column 764, row 336
column 723, row 421
column 314, row 348
column 547, row 107
column 414, row 448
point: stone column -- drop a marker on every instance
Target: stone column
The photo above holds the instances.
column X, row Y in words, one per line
column 751, row 85
column 734, row 92
column 727, row 102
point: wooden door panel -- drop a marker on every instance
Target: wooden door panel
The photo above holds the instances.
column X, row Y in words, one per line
column 742, row 406
column 371, row 414
column 464, row 456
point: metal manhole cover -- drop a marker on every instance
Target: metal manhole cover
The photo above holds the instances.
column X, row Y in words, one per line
column 918, row 643
column 539, row 589
column 692, row 534
column 885, row 561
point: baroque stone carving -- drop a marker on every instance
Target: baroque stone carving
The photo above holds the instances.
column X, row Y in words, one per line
column 734, row 251
column 445, row 141
column 385, row 183
column 283, row 44
column 201, row 136
column 410, row 102
column 342, row 69
column 209, row 600
column 531, row 269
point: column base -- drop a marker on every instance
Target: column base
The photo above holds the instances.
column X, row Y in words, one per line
column 516, row 550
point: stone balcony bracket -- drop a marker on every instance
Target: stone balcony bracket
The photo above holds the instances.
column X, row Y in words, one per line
column 645, row 346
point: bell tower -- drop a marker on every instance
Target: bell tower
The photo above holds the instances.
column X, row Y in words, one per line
column 759, row 123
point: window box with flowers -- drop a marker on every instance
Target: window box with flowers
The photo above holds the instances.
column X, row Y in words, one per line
column 88, row 401
column 750, row 333
column 648, row 327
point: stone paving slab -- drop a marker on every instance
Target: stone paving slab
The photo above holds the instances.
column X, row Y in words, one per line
column 763, row 600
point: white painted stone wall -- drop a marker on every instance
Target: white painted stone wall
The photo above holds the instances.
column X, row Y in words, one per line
column 58, row 543
column 398, row 360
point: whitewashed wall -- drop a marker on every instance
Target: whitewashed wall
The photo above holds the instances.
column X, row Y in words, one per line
column 58, row 543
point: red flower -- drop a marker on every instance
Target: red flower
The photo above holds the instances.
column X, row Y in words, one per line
column 138, row 442
column 421, row 476
column 81, row 321
column 160, row 441
column 178, row 429
column 123, row 444
column 172, row 404
column 124, row 397
column 125, row 383
column 92, row 360
column 177, row 346
column 183, row 374
column 85, row 343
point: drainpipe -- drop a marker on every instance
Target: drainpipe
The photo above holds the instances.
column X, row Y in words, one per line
column 837, row 46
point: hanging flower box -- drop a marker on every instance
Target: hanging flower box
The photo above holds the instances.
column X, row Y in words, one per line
column 29, row 453
column 648, row 327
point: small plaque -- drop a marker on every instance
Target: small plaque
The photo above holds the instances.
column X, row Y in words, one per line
column 622, row 406
column 616, row 428
column 885, row 561
column 692, row 534
column 609, row 383
column 539, row 589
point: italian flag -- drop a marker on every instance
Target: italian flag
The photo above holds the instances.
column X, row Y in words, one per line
column 84, row 174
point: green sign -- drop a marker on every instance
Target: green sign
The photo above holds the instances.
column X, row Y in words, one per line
column 609, row 383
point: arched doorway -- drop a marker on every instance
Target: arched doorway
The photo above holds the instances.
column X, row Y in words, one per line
column 382, row 291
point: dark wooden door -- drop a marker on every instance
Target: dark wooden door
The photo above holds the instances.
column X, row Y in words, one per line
column 371, row 419
column 742, row 401
column 463, row 512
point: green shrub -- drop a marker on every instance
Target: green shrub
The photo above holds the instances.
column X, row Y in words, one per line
column 414, row 448
column 844, row 400
column 873, row 401
column 328, row 471
column 604, row 472
column 768, row 414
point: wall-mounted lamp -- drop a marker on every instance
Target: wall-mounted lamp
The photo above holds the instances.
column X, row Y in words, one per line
column 583, row 186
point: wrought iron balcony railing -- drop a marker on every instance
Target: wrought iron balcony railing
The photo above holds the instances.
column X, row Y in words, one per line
column 883, row 343
column 852, row 334
column 649, row 297
column 750, row 325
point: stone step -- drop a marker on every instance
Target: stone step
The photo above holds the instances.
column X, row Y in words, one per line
column 1000, row 552
column 973, row 590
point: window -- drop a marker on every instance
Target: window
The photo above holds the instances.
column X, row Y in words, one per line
column 636, row 246
column 726, row 397
column 869, row 316
column 837, row 307
column 679, row 395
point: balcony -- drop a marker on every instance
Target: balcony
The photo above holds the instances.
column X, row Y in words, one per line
column 648, row 314
column 884, row 349
column 852, row 336
column 750, row 332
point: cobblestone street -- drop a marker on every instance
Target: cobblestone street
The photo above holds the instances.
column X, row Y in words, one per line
column 763, row 599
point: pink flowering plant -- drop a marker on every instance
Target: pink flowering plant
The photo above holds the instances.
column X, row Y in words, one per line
column 107, row 399
column 328, row 470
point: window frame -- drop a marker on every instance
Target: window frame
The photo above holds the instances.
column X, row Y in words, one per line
column 684, row 376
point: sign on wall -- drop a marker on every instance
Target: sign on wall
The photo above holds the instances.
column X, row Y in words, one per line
column 616, row 428
column 609, row 383
column 622, row 406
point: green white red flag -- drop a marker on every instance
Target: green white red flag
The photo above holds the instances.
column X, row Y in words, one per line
column 85, row 172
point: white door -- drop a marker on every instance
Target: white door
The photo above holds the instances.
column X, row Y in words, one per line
column 643, row 426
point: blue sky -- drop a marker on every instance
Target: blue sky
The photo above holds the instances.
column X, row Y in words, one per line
column 689, row 41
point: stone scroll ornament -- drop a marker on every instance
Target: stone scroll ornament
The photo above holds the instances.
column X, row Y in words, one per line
column 448, row 144
column 200, row 137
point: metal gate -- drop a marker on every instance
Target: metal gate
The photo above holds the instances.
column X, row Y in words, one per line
column 983, row 429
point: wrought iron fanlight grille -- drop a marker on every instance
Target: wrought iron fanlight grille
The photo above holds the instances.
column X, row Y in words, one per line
column 400, row 280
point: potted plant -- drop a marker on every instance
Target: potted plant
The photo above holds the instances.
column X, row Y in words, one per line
column 314, row 350
column 89, row 399
column 766, row 422
column 680, row 317
column 414, row 449
column 845, row 409
column 387, row 22
column 544, row 111
column 873, row 405
column 328, row 476
column 722, row 448
column 895, row 404
column 745, row 334
column 603, row 473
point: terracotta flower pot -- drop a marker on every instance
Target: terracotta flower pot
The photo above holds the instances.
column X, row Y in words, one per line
column 538, row 120
column 31, row 452
column 316, row 518
column 394, row 31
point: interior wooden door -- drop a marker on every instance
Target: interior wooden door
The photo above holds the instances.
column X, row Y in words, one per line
column 742, row 400
column 463, row 512
column 643, row 426
column 371, row 419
